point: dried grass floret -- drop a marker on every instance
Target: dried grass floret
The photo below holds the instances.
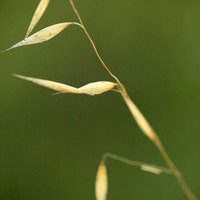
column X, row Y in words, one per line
column 101, row 184
column 37, row 15
column 94, row 88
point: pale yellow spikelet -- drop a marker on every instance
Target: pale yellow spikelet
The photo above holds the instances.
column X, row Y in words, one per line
column 140, row 119
column 37, row 15
column 60, row 87
column 97, row 87
column 89, row 89
column 43, row 35
column 101, row 186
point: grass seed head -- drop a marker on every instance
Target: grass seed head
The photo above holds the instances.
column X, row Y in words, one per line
column 43, row 35
column 37, row 15
column 101, row 182
column 95, row 88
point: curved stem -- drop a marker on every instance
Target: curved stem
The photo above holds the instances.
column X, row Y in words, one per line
column 139, row 117
column 144, row 166
column 94, row 47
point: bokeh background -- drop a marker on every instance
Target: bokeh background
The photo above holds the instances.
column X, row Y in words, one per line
column 50, row 146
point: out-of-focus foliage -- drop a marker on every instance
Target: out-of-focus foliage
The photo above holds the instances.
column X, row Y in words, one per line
column 50, row 146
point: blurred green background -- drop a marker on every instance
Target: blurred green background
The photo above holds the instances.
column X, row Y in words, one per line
column 50, row 146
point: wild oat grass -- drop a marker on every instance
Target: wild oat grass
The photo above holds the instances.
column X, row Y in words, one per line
column 96, row 88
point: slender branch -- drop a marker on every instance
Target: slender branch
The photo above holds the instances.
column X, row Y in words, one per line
column 177, row 174
column 94, row 47
column 144, row 166
column 139, row 117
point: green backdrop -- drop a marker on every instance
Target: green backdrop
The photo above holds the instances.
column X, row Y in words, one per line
column 50, row 146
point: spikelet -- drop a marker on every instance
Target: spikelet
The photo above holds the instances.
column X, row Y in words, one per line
column 140, row 119
column 37, row 15
column 60, row 87
column 97, row 87
column 89, row 89
column 43, row 35
column 101, row 185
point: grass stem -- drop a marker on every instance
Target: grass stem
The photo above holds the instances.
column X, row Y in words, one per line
column 140, row 119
